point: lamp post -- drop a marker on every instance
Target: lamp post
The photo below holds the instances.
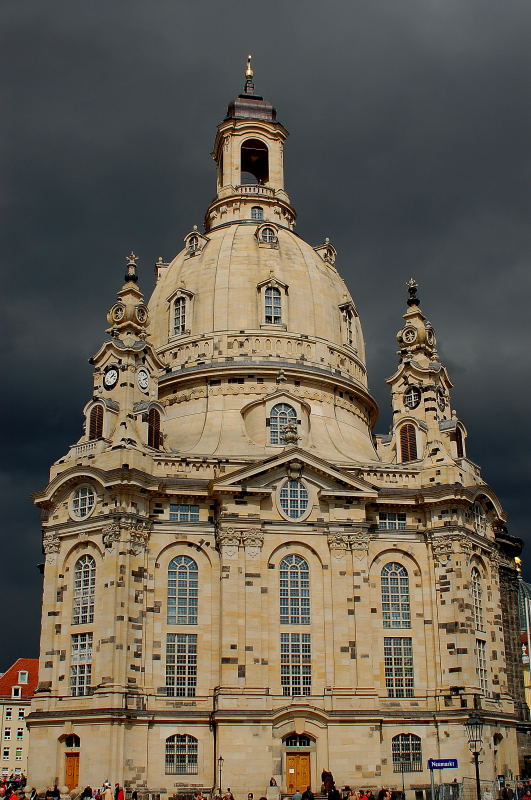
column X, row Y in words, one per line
column 474, row 732
column 220, row 772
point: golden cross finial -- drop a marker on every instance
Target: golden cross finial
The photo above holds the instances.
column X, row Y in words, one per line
column 249, row 74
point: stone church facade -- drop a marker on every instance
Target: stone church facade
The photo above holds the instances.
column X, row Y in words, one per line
column 235, row 565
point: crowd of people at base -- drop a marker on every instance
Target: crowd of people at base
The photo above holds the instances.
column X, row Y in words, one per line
column 12, row 785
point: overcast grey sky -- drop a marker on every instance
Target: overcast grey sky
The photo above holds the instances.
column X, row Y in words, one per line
column 409, row 148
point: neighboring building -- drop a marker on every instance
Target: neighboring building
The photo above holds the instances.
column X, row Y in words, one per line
column 17, row 686
column 524, row 729
column 236, row 568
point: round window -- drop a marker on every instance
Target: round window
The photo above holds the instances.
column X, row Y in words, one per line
column 82, row 502
column 412, row 397
column 293, row 499
column 268, row 235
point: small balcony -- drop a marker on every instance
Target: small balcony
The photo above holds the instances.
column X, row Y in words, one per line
column 255, row 189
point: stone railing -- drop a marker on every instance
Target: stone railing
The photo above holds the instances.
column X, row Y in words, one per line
column 255, row 189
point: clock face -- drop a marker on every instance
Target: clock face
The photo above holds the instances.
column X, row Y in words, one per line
column 143, row 379
column 409, row 335
column 110, row 378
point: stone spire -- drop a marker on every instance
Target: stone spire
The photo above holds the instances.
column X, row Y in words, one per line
column 129, row 315
column 417, row 338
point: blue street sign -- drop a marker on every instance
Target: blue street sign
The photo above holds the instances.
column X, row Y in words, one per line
column 442, row 763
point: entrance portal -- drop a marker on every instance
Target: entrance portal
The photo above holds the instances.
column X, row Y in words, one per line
column 297, row 772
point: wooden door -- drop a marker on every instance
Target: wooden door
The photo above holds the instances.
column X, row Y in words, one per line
column 71, row 770
column 297, row 772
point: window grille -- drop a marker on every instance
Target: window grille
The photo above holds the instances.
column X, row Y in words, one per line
column 481, row 664
column 294, row 591
column 80, row 664
column 181, row 755
column 181, row 664
column 84, row 588
column 184, row 513
column 273, row 305
column 477, row 604
column 398, row 665
column 408, row 442
column 390, row 521
column 281, row 415
column 83, row 501
column 96, row 423
column 257, row 212
column 182, row 591
column 293, row 499
column 407, row 753
column 295, row 664
column 412, row 397
column 179, row 316
column 154, row 429
column 396, row 609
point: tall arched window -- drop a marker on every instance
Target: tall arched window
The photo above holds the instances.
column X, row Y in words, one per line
column 396, row 610
column 181, row 755
column 84, row 588
column 479, row 518
column 179, row 316
column 477, row 599
column 408, row 442
column 96, row 423
column 257, row 212
column 154, row 428
column 459, row 445
column 273, row 305
column 294, row 591
column 407, row 753
column 349, row 327
column 182, row 591
column 281, row 415
column 254, row 162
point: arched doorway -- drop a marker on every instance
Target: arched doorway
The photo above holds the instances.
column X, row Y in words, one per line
column 297, row 761
column 71, row 746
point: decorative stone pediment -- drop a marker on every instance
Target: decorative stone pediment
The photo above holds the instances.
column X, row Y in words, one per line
column 294, row 462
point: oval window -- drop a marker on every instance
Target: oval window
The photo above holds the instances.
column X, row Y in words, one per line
column 293, row 499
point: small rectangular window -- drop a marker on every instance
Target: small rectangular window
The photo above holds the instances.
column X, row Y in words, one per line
column 21, row 713
column 5, row 753
column 7, row 734
column 20, row 733
column 16, row 692
column 184, row 513
column 18, row 754
column 23, row 676
column 8, row 713
column 391, row 521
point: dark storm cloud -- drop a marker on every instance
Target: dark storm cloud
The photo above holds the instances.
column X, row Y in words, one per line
column 410, row 149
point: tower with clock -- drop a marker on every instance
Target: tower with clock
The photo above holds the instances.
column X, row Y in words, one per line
column 238, row 572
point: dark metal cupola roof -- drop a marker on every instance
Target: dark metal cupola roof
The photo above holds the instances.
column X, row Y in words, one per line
column 249, row 105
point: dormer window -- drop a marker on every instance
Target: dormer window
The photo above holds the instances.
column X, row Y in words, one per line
column 16, row 692
column 23, row 676
column 193, row 244
column 257, row 212
column 273, row 306
column 412, row 397
column 179, row 316
column 268, row 235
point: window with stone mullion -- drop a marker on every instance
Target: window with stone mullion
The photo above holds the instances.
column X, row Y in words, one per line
column 295, row 664
column 181, row 664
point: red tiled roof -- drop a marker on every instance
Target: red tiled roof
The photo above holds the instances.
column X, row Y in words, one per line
column 10, row 678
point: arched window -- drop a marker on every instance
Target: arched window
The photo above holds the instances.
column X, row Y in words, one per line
column 294, row 591
column 281, row 415
column 268, row 235
column 408, row 442
column 72, row 741
column 84, row 587
column 396, row 610
column 407, row 753
column 479, row 518
column 181, row 755
column 182, row 591
column 477, row 599
column 459, row 445
column 273, row 305
column 179, row 316
column 96, row 423
column 154, row 428
column 257, row 212
column 254, row 162
column 349, row 327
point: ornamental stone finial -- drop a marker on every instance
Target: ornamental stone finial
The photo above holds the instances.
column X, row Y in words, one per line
column 412, row 287
column 130, row 273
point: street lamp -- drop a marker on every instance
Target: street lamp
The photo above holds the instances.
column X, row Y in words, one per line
column 474, row 732
column 220, row 771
